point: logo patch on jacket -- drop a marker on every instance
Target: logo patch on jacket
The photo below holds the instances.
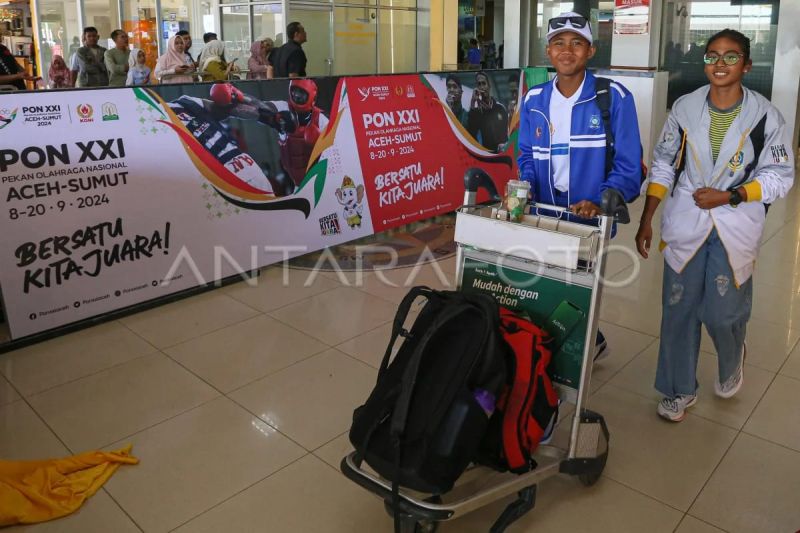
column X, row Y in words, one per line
column 737, row 161
column 779, row 154
column 538, row 131
column 594, row 122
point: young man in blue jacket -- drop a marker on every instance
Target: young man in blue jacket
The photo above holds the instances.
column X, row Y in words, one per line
column 562, row 138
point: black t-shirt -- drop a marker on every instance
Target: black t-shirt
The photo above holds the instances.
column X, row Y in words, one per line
column 491, row 126
column 288, row 59
column 9, row 66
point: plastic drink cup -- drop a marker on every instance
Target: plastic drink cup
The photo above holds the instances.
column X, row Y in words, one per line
column 516, row 198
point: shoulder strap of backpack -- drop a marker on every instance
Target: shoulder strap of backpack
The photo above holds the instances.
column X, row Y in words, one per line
column 409, row 380
column 603, row 92
column 399, row 418
column 400, row 319
column 487, row 305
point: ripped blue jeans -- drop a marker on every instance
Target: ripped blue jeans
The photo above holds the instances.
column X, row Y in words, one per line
column 704, row 293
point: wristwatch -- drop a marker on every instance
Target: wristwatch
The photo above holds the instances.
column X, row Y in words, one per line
column 736, row 197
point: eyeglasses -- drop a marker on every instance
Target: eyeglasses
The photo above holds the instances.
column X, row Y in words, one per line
column 729, row 59
column 559, row 22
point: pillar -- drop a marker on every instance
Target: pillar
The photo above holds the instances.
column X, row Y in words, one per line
column 518, row 18
column 444, row 35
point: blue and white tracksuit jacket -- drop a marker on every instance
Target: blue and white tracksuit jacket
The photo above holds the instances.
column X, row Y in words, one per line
column 587, row 146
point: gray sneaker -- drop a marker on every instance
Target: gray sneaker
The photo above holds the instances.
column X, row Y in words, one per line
column 733, row 383
column 674, row 409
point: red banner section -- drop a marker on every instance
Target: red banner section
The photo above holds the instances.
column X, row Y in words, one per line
column 414, row 152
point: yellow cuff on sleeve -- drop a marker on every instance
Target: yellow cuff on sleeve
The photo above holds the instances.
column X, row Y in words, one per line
column 661, row 246
column 753, row 191
column 657, row 190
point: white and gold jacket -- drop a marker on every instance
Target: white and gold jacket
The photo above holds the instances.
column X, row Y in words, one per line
column 684, row 226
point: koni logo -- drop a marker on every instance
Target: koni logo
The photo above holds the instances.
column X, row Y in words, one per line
column 85, row 113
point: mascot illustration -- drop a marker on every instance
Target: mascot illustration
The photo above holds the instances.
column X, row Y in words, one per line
column 350, row 197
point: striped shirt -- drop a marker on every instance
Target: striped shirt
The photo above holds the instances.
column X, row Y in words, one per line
column 721, row 120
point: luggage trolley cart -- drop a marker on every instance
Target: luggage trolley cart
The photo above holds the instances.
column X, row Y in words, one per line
column 550, row 268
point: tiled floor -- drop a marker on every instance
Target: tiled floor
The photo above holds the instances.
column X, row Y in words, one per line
column 238, row 402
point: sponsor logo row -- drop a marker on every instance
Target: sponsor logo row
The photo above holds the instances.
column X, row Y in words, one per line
column 49, row 115
column 382, row 92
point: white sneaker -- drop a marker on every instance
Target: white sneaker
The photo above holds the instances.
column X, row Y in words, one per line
column 733, row 383
column 674, row 409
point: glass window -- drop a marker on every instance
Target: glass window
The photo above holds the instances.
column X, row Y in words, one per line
column 317, row 23
column 355, row 40
column 358, row 2
column 399, row 3
column 423, row 39
column 602, row 17
column 236, row 33
column 268, row 22
column 398, row 33
column 467, row 23
column 59, row 33
column 183, row 15
column 139, row 21
column 476, row 21
column 103, row 15
column 686, row 27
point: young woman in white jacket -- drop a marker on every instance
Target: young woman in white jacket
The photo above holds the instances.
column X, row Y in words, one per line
column 717, row 193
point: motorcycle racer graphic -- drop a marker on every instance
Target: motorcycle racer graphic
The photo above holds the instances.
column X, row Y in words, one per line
column 206, row 120
column 308, row 121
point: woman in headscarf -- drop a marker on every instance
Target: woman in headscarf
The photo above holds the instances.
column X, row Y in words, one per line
column 138, row 71
column 258, row 65
column 214, row 67
column 59, row 75
column 175, row 66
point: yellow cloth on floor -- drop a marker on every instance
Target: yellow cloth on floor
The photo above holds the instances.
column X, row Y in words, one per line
column 36, row 491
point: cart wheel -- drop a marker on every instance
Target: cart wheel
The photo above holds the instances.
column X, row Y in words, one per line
column 589, row 479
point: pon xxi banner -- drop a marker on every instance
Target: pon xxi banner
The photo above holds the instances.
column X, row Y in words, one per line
column 114, row 197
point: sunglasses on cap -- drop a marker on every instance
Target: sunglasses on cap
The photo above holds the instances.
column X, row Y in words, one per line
column 731, row 58
column 559, row 22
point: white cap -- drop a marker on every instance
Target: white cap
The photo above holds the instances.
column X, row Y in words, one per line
column 585, row 32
